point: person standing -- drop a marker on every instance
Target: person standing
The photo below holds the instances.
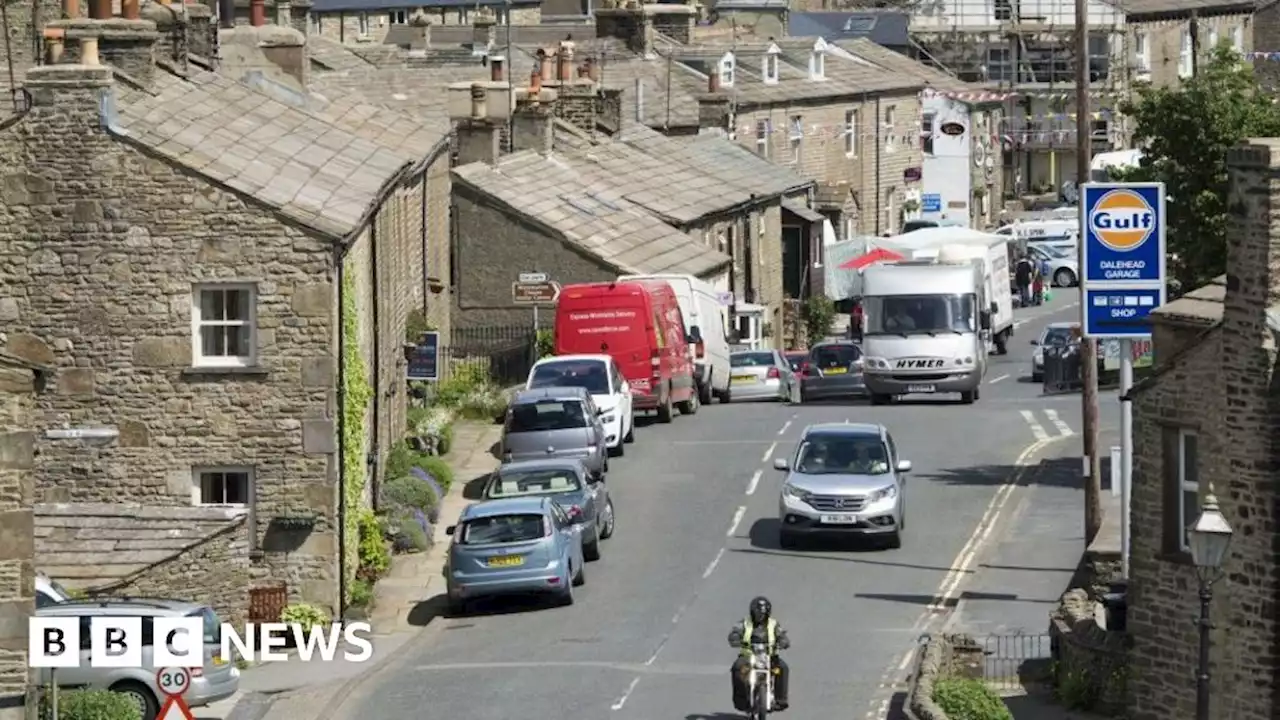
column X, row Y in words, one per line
column 1023, row 275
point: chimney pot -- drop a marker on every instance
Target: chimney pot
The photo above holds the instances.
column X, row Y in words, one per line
column 55, row 51
column 496, row 69
column 584, row 71
column 89, row 51
column 257, row 13
column 535, row 82
column 713, row 82
column 130, row 10
column 564, row 71
column 593, row 69
column 71, row 8
column 479, row 101
column 100, row 9
column 545, row 67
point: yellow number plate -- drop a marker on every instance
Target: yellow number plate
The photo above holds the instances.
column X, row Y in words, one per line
column 505, row 561
column 835, row 371
column 217, row 660
column 744, row 378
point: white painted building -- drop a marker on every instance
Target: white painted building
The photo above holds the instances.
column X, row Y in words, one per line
column 947, row 140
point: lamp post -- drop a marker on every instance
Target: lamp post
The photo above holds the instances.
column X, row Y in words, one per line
column 1209, row 539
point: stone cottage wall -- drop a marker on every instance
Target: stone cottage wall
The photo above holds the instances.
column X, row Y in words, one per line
column 17, row 567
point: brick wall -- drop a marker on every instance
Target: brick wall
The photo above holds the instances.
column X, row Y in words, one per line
column 1164, row 43
column 17, row 565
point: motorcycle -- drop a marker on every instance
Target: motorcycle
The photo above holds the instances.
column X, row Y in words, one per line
column 760, row 681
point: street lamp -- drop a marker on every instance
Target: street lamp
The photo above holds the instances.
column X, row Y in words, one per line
column 1209, row 539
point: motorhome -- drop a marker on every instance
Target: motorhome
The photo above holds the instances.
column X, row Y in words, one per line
column 706, row 320
column 1058, row 233
column 926, row 329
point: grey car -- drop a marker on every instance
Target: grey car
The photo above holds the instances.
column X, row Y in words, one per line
column 762, row 375
column 833, row 370
column 219, row 678
column 555, row 423
column 845, row 478
column 582, row 495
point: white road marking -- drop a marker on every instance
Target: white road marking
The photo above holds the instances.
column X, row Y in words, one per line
column 785, row 425
column 737, row 518
column 1036, row 428
column 755, row 480
column 630, row 688
column 995, row 380
column 712, row 567
column 769, row 453
column 1063, row 428
column 906, row 660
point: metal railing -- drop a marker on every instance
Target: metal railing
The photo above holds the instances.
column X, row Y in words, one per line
column 1017, row 660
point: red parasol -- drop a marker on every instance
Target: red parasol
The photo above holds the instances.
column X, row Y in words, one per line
column 866, row 260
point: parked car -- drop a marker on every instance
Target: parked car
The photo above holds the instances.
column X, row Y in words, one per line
column 796, row 360
column 833, row 370
column 514, row 546
column 570, row 484
column 600, row 376
column 555, row 422
column 1059, row 334
column 639, row 324
column 763, row 375
column 845, row 478
column 705, row 320
column 219, row 678
column 1064, row 270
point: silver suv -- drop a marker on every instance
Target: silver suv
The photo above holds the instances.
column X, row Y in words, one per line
column 218, row 679
column 845, row 478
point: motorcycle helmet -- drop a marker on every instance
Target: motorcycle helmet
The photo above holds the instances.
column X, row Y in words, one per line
column 760, row 609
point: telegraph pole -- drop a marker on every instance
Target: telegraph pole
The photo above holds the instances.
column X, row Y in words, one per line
column 1088, row 347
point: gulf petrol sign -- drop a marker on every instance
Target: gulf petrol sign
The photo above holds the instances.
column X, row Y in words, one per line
column 1122, row 226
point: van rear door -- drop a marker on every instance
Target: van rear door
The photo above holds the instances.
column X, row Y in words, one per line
column 614, row 324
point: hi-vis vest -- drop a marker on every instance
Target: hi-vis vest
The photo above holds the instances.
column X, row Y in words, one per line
column 771, row 633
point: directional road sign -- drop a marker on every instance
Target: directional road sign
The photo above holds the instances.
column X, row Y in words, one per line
column 533, row 277
column 1120, row 312
column 1123, row 230
column 535, row 293
column 173, row 681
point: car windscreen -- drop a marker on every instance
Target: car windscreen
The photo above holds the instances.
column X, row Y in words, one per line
column 843, row 455
column 589, row 374
column 751, row 359
column 796, row 360
column 212, row 624
column 547, row 415
column 499, row 529
column 518, row 483
column 1058, row 336
column 829, row 356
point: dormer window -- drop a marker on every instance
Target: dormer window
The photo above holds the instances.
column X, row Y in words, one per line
column 726, row 69
column 771, row 64
column 818, row 61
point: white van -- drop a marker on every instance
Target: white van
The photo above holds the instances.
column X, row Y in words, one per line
column 706, row 317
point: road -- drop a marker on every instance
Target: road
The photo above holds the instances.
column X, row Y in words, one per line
column 697, row 538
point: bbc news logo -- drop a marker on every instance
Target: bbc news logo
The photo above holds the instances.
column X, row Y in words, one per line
column 118, row 641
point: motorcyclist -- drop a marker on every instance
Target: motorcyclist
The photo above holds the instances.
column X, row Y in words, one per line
column 759, row 626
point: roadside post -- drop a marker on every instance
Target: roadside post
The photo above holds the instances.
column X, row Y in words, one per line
column 1121, row 281
column 173, row 683
column 535, row 289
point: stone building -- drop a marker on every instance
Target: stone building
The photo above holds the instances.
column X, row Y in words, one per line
column 20, row 380
column 1162, row 35
column 598, row 196
column 1205, row 419
column 222, row 277
column 377, row 21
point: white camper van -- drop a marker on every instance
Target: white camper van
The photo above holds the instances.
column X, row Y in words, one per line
column 706, row 318
column 926, row 329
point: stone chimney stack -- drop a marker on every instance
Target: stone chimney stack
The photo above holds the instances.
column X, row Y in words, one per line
column 637, row 24
column 497, row 68
column 172, row 25
column 533, row 120
column 284, row 13
column 483, row 29
column 201, row 33
column 480, row 111
column 419, row 30
column 126, row 43
column 66, row 102
column 713, row 108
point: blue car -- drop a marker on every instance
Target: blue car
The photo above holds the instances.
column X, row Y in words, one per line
column 515, row 546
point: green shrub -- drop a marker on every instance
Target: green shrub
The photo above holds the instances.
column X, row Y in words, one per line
column 408, row 528
column 484, row 403
column 463, row 378
column 444, row 441
column 819, row 312
column 969, row 699
column 89, row 705
column 438, row 469
column 415, row 324
column 400, row 460
column 306, row 615
column 546, row 343
column 408, row 491
column 375, row 556
column 361, row 592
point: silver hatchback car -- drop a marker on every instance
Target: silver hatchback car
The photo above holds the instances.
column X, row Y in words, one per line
column 845, row 478
column 218, row 679
column 556, row 423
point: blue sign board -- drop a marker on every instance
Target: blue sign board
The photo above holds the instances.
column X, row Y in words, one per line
column 931, row 203
column 1120, row 313
column 424, row 358
column 1122, row 226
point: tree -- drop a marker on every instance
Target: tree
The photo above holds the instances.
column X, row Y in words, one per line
column 1184, row 134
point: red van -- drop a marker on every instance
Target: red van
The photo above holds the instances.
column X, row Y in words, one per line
column 637, row 323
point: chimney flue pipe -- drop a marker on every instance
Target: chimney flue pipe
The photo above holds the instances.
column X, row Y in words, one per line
column 713, row 82
column 535, row 82
column 479, row 102
column 545, row 67
column 496, row 69
column 129, row 10
column 71, row 8
column 564, row 68
column 257, row 13
column 100, row 9
column 89, row 51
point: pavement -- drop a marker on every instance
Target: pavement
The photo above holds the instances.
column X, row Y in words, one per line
column 696, row 539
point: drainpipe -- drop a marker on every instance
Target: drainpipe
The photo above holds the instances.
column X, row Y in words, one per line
column 426, row 271
column 375, row 452
column 879, row 197
column 342, row 433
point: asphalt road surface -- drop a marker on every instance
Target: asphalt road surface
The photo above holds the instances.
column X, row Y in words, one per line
column 697, row 539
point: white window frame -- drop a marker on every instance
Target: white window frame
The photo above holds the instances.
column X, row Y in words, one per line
column 762, row 138
column 771, row 68
column 1186, row 488
column 398, row 17
column 362, row 24
column 1184, row 55
column 1237, row 38
column 890, row 119
column 795, row 134
column 850, row 227
column 1142, row 52
column 727, row 68
column 198, row 358
column 199, row 473
column 851, row 124
column 928, row 121
column 889, row 211
column 817, row 65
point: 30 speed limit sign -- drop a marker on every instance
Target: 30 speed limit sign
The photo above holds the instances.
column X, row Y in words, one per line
column 173, row 681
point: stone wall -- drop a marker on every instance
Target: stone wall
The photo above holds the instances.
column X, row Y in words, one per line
column 18, row 383
column 1091, row 664
column 1163, row 38
column 942, row 656
column 348, row 27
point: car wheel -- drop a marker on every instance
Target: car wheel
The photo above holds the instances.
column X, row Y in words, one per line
column 607, row 531
column 704, row 393
column 591, row 550
column 457, row 607
column 138, row 693
column 1064, row 278
column 631, row 431
column 690, row 406
column 879, row 399
column 565, row 598
column 1037, row 377
column 726, row 397
column 968, row 398
column 665, row 412
column 619, row 450
column 788, row 540
column 580, row 577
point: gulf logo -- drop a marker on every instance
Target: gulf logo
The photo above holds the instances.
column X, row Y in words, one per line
column 1122, row 220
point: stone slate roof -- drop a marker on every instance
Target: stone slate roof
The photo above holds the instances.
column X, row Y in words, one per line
column 88, row 545
column 320, row 170
column 332, row 55
column 589, row 215
column 421, row 93
column 1202, row 306
column 896, row 62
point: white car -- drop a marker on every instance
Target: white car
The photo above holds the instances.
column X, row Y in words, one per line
column 1064, row 271
column 600, row 376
